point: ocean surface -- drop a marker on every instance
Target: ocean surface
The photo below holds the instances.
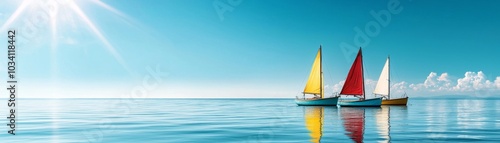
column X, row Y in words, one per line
column 250, row 121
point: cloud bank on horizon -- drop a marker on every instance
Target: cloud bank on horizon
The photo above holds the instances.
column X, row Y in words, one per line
column 472, row 83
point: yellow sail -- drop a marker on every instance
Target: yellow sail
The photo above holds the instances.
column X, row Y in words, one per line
column 314, row 83
column 314, row 122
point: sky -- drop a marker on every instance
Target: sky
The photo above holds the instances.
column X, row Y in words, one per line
column 249, row 49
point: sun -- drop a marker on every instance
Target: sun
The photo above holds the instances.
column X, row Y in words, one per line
column 53, row 13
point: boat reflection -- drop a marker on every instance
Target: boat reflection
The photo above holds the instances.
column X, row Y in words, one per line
column 354, row 122
column 384, row 118
column 383, row 124
column 314, row 122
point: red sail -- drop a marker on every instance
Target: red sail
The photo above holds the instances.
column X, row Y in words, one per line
column 354, row 83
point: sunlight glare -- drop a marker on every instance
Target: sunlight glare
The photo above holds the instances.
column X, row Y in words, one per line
column 16, row 14
column 101, row 37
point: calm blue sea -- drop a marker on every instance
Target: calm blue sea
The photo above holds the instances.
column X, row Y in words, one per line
column 250, row 121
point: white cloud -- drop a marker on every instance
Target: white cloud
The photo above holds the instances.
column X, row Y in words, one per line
column 434, row 83
column 399, row 88
column 473, row 83
column 337, row 87
column 430, row 81
column 497, row 82
column 443, row 77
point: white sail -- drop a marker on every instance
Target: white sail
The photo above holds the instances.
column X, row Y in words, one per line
column 382, row 87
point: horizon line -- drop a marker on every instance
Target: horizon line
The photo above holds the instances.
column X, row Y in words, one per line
column 414, row 97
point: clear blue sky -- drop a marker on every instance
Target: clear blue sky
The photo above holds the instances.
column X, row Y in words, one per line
column 258, row 49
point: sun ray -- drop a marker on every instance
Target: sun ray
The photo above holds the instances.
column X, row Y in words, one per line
column 109, row 8
column 125, row 18
column 54, row 69
column 16, row 14
column 101, row 37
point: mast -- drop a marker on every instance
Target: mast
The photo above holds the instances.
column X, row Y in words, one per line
column 389, row 77
column 321, row 71
column 363, row 71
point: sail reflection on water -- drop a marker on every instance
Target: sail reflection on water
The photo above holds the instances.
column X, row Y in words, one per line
column 314, row 122
column 383, row 124
column 354, row 122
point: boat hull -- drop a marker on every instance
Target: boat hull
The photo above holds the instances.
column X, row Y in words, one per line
column 375, row 102
column 398, row 101
column 330, row 101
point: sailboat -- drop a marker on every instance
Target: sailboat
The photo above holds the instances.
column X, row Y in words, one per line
column 314, row 86
column 355, row 85
column 383, row 87
column 314, row 122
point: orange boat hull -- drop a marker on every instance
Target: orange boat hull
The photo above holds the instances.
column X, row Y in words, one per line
column 399, row 101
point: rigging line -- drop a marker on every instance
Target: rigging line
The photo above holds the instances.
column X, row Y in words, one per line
column 304, row 81
column 365, row 77
column 393, row 81
column 394, row 73
column 330, row 75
